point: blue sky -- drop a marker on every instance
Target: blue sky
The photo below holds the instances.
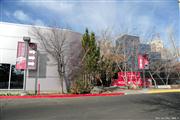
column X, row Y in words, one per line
column 136, row 17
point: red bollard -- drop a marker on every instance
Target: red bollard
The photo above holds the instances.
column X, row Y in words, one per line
column 38, row 88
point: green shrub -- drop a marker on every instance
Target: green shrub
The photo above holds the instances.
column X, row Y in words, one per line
column 9, row 94
column 80, row 87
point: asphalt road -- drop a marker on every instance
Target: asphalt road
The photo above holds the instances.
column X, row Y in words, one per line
column 129, row 107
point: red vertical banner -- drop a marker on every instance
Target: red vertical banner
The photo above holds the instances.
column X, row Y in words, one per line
column 140, row 62
column 32, row 56
column 143, row 62
column 146, row 62
column 21, row 60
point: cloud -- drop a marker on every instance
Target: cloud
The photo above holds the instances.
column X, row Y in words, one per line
column 52, row 5
column 39, row 22
column 121, row 16
column 62, row 7
column 137, row 17
column 23, row 17
column 94, row 16
column 20, row 15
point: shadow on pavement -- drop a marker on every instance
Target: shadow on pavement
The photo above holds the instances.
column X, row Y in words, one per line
column 168, row 104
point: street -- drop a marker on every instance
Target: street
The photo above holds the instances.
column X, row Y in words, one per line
column 164, row 106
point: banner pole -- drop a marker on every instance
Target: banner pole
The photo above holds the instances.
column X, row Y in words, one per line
column 27, row 41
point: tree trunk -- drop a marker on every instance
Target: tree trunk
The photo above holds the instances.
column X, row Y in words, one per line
column 167, row 79
column 60, row 76
column 153, row 79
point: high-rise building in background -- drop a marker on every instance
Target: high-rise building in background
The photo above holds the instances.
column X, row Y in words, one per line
column 156, row 45
column 129, row 48
column 158, row 49
column 144, row 48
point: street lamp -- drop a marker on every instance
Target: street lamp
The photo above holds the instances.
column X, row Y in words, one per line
column 26, row 41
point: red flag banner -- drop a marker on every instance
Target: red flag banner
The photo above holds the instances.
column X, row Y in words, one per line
column 32, row 56
column 21, row 60
column 140, row 62
column 143, row 62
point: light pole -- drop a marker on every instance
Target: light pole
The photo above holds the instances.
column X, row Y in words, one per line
column 37, row 74
column 179, row 14
column 26, row 41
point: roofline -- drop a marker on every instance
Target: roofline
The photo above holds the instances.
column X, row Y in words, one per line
column 38, row 26
column 125, row 34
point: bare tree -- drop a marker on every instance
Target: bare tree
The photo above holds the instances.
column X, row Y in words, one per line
column 163, row 69
column 110, row 52
column 54, row 42
column 108, row 47
column 74, row 63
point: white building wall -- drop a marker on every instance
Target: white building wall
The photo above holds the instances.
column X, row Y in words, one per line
column 10, row 34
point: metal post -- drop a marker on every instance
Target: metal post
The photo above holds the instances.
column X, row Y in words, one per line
column 37, row 73
column 144, row 86
column 26, row 40
column 125, row 63
column 9, row 77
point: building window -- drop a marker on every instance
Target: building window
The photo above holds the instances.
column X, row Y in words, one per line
column 4, row 75
column 16, row 78
column 13, row 80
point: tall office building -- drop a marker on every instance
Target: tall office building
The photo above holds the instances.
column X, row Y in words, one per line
column 156, row 45
column 129, row 48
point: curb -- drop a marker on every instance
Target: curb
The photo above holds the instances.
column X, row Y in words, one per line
column 62, row 96
column 163, row 91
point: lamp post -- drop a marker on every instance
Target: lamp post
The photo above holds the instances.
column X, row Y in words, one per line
column 26, row 41
column 179, row 13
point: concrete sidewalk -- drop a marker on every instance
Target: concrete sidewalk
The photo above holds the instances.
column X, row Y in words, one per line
column 148, row 91
column 163, row 90
column 117, row 92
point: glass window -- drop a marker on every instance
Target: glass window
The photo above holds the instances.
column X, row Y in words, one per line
column 16, row 78
column 4, row 75
column 16, row 81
